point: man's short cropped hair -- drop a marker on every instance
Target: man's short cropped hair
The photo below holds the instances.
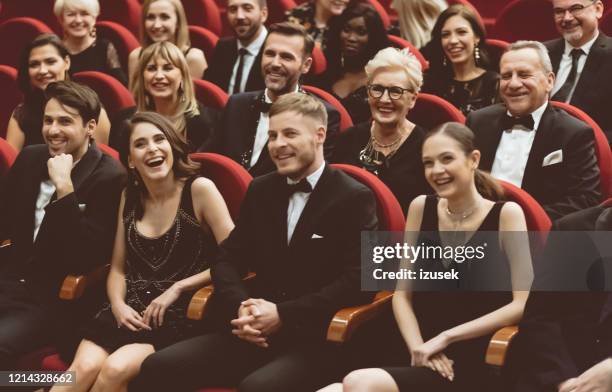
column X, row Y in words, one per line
column 76, row 96
column 300, row 103
column 293, row 29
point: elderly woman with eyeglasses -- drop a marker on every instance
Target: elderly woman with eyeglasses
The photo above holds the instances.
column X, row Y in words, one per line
column 390, row 145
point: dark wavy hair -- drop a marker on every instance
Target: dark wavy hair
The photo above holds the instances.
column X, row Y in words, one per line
column 183, row 166
column 486, row 185
column 436, row 59
column 377, row 38
column 23, row 75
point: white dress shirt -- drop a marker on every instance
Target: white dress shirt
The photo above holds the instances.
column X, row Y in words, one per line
column 47, row 189
column 261, row 134
column 565, row 66
column 298, row 201
column 249, row 58
column 513, row 150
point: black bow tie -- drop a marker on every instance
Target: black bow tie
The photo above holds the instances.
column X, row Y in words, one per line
column 263, row 106
column 509, row 122
column 302, row 186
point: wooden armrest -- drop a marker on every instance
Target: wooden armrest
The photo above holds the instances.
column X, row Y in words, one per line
column 74, row 286
column 498, row 346
column 5, row 243
column 347, row 320
column 197, row 305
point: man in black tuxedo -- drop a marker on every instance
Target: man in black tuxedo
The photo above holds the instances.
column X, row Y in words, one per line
column 236, row 62
column 59, row 209
column 243, row 127
column 582, row 60
column 299, row 232
column 529, row 143
column 565, row 338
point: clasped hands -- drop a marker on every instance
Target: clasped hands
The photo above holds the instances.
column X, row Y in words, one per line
column 153, row 315
column 429, row 354
column 257, row 319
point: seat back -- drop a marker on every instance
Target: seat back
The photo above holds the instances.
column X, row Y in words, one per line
column 111, row 152
column 602, row 148
column 11, row 96
column 231, row 179
column 525, row 19
column 123, row 12
column 277, row 10
column 113, row 95
column 123, row 39
column 384, row 16
column 204, row 13
column 430, row 111
column 209, row 94
column 319, row 62
column 17, row 33
column 203, row 39
column 605, row 24
column 7, row 157
column 345, row 119
column 42, row 11
column 401, row 43
column 496, row 48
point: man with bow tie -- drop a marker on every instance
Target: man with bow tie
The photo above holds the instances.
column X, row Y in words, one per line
column 533, row 145
column 299, row 232
column 242, row 131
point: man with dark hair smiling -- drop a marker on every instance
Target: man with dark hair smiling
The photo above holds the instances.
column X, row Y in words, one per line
column 299, row 232
column 58, row 207
column 243, row 129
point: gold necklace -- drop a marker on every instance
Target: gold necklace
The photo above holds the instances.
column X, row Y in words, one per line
column 381, row 145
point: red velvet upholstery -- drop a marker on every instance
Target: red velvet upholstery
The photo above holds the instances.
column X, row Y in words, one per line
column 384, row 16
column 319, row 62
column 605, row 24
column 231, row 179
column 390, row 214
column 345, row 118
column 11, row 96
column 277, row 9
column 41, row 10
column 525, row 19
column 53, row 362
column 602, row 148
column 35, row 359
column 607, row 203
column 204, row 13
column 204, row 39
column 431, row 111
column 108, row 150
column 123, row 40
column 7, row 157
column 16, row 33
column 496, row 48
column 112, row 93
column 124, row 12
column 209, row 94
column 402, row 43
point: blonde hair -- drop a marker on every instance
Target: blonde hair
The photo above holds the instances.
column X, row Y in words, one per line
column 181, row 35
column 417, row 18
column 91, row 6
column 302, row 104
column 188, row 105
column 393, row 58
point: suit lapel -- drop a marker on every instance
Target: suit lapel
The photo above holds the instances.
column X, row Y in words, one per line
column 543, row 134
column 279, row 202
column 490, row 141
column 555, row 54
column 590, row 72
column 33, row 188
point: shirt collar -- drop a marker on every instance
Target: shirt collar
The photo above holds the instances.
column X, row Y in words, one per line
column 312, row 179
column 255, row 46
column 267, row 98
column 536, row 115
column 586, row 48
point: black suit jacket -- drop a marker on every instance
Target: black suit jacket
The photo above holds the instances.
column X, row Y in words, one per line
column 222, row 64
column 235, row 133
column 315, row 275
column 561, row 188
column 593, row 92
column 77, row 231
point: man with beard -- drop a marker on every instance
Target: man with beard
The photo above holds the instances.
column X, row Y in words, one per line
column 236, row 62
column 582, row 60
column 243, row 129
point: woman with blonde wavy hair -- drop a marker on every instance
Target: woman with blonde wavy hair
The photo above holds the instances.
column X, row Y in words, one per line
column 417, row 18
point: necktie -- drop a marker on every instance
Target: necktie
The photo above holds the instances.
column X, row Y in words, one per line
column 510, row 122
column 238, row 80
column 563, row 94
column 302, row 186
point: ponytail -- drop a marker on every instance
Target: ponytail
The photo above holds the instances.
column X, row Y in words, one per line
column 487, row 186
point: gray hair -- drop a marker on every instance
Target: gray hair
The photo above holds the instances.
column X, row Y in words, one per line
column 91, row 6
column 539, row 48
column 393, row 58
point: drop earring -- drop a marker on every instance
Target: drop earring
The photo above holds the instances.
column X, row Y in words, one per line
column 444, row 63
column 477, row 55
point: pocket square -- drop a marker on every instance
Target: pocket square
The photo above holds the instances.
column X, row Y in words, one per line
column 82, row 207
column 552, row 158
column 316, row 236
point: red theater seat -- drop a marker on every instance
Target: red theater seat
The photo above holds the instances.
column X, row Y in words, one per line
column 525, row 20
column 124, row 12
column 605, row 24
column 11, row 96
column 402, row 43
column 384, row 16
column 203, row 39
column 277, row 10
column 16, row 33
column 319, row 62
column 345, row 118
column 431, row 111
column 112, row 93
column 7, row 157
column 204, row 13
column 123, row 40
column 209, row 94
column 496, row 49
column 41, row 10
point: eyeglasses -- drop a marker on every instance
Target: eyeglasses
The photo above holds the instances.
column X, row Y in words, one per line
column 376, row 91
column 575, row 10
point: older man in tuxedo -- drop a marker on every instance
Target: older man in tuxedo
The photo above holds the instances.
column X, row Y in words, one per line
column 58, row 206
column 582, row 60
column 531, row 144
column 236, row 62
column 243, row 129
column 299, row 231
